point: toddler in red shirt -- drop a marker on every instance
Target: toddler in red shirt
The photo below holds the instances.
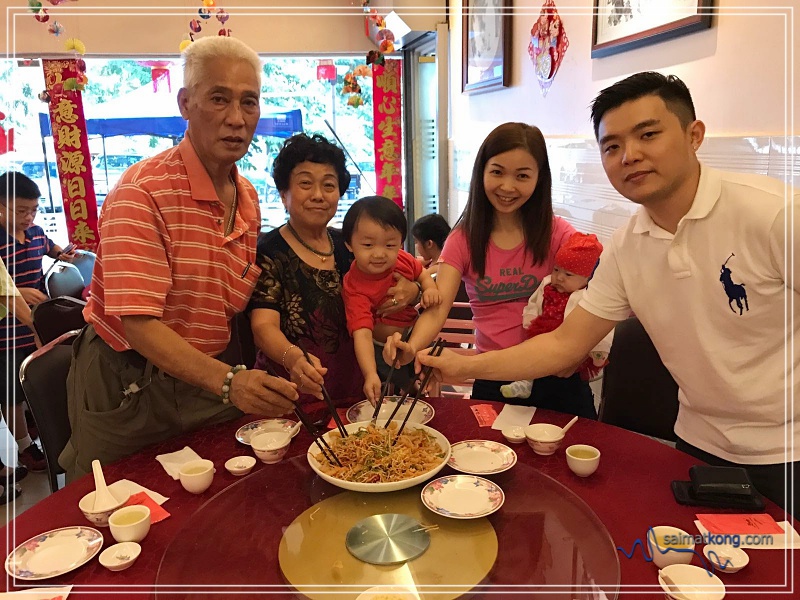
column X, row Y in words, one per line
column 374, row 230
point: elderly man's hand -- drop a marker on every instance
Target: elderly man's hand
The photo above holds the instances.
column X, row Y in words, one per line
column 256, row 393
column 400, row 295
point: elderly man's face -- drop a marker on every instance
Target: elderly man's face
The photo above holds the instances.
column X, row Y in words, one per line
column 222, row 111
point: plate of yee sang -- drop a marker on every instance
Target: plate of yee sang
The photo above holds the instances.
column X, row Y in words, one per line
column 372, row 463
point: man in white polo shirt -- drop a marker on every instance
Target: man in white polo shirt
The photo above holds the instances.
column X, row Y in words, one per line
column 703, row 265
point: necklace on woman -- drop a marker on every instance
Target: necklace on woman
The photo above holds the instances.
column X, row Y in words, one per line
column 232, row 217
column 321, row 255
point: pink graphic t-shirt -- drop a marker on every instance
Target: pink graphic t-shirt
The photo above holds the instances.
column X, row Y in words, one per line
column 498, row 298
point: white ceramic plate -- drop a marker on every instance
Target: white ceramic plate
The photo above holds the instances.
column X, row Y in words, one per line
column 390, row 486
column 481, row 457
column 462, row 496
column 362, row 411
column 245, row 432
column 54, row 553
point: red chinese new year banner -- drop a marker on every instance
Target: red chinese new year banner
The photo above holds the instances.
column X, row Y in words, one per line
column 73, row 159
column 386, row 81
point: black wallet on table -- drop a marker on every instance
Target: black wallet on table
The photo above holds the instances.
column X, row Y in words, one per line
column 719, row 487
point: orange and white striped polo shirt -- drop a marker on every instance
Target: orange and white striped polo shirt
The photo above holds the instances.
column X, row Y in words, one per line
column 163, row 252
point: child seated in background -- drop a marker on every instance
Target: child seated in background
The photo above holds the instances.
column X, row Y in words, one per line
column 429, row 234
column 374, row 230
column 555, row 298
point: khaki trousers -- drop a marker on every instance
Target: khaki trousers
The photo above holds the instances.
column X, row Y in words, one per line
column 108, row 424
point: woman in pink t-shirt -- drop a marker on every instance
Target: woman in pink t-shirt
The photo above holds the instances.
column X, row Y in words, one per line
column 502, row 247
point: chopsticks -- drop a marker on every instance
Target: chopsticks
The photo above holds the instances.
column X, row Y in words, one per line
column 319, row 440
column 385, row 390
column 336, row 418
column 423, row 377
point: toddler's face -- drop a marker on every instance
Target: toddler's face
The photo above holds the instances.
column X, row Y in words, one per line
column 566, row 282
column 374, row 246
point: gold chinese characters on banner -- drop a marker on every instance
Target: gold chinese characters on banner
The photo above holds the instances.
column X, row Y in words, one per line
column 73, row 159
column 387, row 102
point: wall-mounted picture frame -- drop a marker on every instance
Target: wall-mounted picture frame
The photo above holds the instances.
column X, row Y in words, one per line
column 486, row 45
column 622, row 25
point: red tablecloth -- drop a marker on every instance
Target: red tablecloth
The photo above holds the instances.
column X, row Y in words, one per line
column 630, row 492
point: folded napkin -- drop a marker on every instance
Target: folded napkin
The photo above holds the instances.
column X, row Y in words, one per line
column 51, row 593
column 790, row 540
column 134, row 488
column 173, row 461
column 514, row 415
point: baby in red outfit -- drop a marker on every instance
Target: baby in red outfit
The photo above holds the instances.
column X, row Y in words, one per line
column 555, row 298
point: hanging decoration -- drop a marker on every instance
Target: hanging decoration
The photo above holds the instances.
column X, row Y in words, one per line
column 204, row 14
column 6, row 137
column 384, row 37
column 73, row 159
column 386, row 85
column 547, row 46
column 79, row 81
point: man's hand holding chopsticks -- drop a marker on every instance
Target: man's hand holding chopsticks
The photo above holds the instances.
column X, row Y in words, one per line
column 256, row 393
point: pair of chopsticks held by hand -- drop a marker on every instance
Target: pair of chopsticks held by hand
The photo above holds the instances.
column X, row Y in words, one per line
column 420, row 380
column 308, row 425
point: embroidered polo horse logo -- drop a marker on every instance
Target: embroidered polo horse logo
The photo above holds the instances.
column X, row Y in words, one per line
column 735, row 291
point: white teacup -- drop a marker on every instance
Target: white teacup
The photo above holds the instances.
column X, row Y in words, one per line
column 270, row 447
column 130, row 523
column 583, row 460
column 196, row 475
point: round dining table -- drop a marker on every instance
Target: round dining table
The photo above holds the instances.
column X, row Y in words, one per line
column 557, row 535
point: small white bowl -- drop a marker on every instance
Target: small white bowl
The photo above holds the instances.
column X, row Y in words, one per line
column 120, row 556
column 726, row 558
column 100, row 519
column 130, row 523
column 514, row 434
column 693, row 583
column 583, row 460
column 544, row 438
column 669, row 546
column 270, row 447
column 240, row 465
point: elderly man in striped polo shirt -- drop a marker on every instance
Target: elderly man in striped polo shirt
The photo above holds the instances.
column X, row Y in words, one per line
column 175, row 264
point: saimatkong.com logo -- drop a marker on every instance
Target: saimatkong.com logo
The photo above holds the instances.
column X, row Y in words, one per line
column 686, row 543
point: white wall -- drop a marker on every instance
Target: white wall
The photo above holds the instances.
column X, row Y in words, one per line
column 739, row 73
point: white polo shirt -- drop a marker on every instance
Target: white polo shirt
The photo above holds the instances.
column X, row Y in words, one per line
column 734, row 370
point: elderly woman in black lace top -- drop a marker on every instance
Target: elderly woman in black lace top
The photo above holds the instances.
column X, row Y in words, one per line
column 297, row 304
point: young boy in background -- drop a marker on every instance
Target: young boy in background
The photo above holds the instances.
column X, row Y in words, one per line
column 22, row 246
column 374, row 230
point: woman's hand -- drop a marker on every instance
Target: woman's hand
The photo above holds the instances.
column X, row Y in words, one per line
column 448, row 367
column 256, row 393
column 372, row 388
column 396, row 349
column 400, row 295
column 307, row 375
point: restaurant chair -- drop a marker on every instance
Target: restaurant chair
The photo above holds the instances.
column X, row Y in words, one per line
column 458, row 335
column 43, row 375
column 638, row 393
column 56, row 316
column 64, row 279
column 84, row 262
